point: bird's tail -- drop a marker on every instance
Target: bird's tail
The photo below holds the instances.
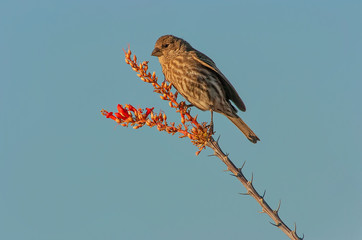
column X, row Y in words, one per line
column 244, row 128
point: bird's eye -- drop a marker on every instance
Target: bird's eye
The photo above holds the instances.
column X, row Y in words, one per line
column 165, row 45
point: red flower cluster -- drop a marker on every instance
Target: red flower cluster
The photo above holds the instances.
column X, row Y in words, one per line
column 198, row 133
column 129, row 115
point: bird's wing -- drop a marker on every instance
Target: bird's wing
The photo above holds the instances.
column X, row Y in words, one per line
column 230, row 91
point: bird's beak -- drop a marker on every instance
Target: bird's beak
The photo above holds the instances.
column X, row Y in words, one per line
column 156, row 52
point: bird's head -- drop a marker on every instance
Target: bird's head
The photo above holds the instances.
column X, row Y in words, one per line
column 169, row 46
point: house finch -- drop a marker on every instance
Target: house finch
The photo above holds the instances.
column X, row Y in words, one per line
column 196, row 77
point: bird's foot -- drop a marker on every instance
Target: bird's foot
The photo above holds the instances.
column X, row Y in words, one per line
column 211, row 129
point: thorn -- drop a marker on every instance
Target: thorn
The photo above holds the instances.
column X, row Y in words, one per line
column 218, row 138
column 227, row 170
column 252, row 178
column 242, row 166
column 233, row 175
column 262, row 211
column 245, row 194
column 277, row 225
column 263, row 194
column 295, row 231
column 277, row 210
column 212, row 155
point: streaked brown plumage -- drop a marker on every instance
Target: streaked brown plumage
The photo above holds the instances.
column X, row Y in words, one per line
column 196, row 78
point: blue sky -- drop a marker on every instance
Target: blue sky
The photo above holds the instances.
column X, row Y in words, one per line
column 66, row 172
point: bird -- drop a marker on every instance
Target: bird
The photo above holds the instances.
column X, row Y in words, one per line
column 196, row 77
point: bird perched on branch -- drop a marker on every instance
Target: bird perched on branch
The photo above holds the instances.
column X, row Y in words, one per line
column 196, row 77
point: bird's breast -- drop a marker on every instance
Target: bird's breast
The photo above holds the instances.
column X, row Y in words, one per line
column 193, row 81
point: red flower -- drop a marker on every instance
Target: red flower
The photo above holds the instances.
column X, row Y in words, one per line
column 148, row 111
column 119, row 116
column 110, row 115
column 122, row 112
column 131, row 108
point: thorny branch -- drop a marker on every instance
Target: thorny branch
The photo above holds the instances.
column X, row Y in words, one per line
column 248, row 184
column 198, row 133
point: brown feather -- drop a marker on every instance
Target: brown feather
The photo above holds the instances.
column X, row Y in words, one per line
column 230, row 91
